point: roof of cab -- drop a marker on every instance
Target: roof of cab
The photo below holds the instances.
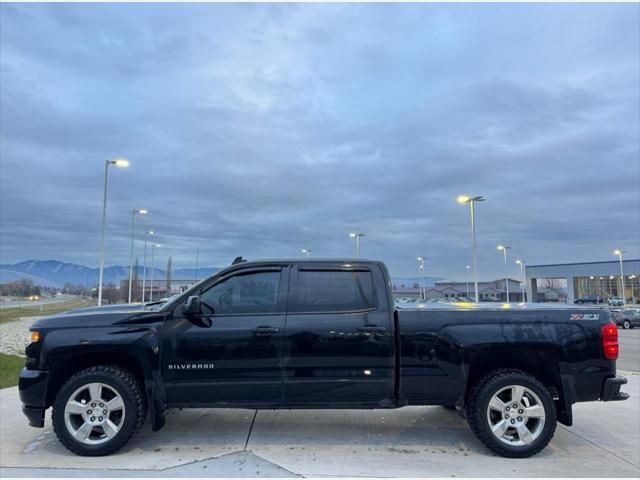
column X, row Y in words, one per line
column 311, row 260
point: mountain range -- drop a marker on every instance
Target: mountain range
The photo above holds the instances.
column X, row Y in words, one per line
column 53, row 273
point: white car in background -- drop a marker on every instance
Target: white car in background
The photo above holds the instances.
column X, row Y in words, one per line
column 615, row 302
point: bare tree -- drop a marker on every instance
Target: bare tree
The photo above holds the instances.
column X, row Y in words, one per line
column 136, row 288
column 168, row 276
column 551, row 284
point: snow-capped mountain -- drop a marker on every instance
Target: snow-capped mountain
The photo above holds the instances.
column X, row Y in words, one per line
column 55, row 273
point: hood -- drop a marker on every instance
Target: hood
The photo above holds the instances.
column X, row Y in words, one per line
column 121, row 307
column 99, row 317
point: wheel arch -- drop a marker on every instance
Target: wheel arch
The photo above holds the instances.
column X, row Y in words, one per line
column 63, row 368
column 539, row 362
column 141, row 358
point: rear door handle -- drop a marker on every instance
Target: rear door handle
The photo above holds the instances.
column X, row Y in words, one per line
column 265, row 330
column 372, row 329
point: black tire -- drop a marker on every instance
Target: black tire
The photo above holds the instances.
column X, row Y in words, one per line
column 626, row 324
column 129, row 389
column 478, row 403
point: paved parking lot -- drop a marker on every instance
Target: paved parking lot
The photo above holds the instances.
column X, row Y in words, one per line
column 629, row 349
column 412, row 441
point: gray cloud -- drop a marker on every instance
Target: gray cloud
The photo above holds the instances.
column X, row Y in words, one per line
column 263, row 129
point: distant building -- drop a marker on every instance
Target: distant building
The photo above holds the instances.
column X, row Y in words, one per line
column 493, row 291
column 600, row 279
column 160, row 287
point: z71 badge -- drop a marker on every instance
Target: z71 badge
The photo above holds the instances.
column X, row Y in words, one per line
column 584, row 316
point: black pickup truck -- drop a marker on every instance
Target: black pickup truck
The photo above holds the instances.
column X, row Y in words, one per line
column 316, row 334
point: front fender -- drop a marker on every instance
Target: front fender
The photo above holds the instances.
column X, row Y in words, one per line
column 136, row 348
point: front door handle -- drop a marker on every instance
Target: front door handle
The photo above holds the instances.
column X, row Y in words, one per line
column 372, row 329
column 265, row 330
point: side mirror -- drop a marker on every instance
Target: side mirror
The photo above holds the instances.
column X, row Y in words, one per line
column 192, row 312
column 193, row 306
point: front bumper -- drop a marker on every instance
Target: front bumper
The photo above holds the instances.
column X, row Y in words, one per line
column 611, row 389
column 32, row 385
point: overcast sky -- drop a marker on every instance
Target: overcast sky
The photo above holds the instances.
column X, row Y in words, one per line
column 259, row 130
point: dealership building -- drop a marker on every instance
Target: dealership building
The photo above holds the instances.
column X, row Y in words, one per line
column 602, row 279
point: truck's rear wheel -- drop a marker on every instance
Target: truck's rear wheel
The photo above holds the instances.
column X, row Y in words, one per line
column 512, row 413
column 98, row 410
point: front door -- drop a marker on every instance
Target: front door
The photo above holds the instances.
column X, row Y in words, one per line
column 238, row 359
column 339, row 337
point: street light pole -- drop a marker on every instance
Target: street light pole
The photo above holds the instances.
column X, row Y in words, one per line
column 197, row 259
column 120, row 163
column 466, row 278
column 357, row 237
column 504, row 249
column 423, row 290
column 462, row 199
column 307, row 252
column 524, row 281
column 610, row 287
column 144, row 263
column 140, row 211
column 624, row 296
column 153, row 247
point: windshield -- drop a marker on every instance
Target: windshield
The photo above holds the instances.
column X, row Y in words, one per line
column 175, row 299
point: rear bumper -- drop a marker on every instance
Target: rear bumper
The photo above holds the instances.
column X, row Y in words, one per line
column 32, row 385
column 611, row 389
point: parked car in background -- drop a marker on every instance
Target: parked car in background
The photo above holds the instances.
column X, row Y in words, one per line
column 628, row 317
column 588, row 299
column 616, row 302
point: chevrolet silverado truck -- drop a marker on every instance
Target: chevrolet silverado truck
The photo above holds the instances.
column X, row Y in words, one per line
column 316, row 334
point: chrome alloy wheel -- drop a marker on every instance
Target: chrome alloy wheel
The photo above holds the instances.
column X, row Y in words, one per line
column 516, row 415
column 94, row 413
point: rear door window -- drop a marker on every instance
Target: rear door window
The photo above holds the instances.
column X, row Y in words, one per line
column 333, row 291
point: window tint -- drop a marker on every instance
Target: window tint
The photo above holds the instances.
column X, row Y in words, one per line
column 326, row 291
column 244, row 293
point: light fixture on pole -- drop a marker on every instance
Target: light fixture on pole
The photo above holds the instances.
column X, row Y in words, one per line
column 144, row 263
column 357, row 236
column 120, row 163
column 153, row 247
column 139, row 211
column 524, row 281
column 307, row 252
column 624, row 296
column 504, row 249
column 462, row 199
column 466, row 278
column 197, row 260
column 423, row 291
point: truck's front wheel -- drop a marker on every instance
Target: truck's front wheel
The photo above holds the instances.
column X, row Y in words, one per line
column 98, row 410
column 512, row 413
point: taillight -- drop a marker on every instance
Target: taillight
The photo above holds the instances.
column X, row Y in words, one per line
column 609, row 334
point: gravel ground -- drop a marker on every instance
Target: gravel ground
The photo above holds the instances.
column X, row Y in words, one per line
column 14, row 336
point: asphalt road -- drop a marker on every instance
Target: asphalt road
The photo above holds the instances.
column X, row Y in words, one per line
column 33, row 303
column 629, row 358
column 408, row 442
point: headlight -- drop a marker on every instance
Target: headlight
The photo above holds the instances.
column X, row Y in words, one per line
column 34, row 336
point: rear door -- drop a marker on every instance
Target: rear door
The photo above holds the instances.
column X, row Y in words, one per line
column 338, row 345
